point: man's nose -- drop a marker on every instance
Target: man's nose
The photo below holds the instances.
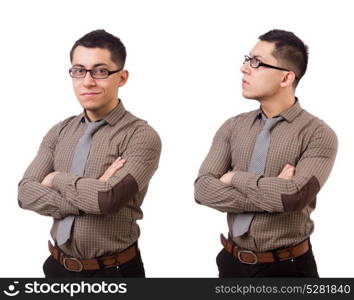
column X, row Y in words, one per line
column 89, row 80
column 245, row 68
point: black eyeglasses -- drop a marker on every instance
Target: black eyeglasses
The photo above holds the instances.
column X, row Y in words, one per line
column 98, row 73
column 256, row 63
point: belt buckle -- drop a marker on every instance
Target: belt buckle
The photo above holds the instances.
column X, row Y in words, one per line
column 74, row 259
column 247, row 252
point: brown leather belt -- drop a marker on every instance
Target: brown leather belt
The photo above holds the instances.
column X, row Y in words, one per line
column 250, row 257
column 78, row 265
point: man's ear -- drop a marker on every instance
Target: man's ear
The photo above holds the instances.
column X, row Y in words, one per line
column 288, row 79
column 123, row 77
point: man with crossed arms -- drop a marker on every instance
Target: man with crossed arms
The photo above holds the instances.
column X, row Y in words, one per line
column 265, row 167
column 92, row 170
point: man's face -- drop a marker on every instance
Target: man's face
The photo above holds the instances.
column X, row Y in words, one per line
column 96, row 95
column 261, row 83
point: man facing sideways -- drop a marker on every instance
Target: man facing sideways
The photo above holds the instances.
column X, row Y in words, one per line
column 265, row 167
column 92, row 171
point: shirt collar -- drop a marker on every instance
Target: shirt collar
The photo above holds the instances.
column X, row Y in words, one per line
column 113, row 117
column 289, row 115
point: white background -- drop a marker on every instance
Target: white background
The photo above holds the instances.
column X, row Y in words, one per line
column 184, row 59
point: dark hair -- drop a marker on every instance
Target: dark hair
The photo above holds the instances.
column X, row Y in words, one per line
column 102, row 39
column 289, row 50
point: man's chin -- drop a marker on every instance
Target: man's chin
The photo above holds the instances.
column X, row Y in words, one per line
column 248, row 96
column 89, row 105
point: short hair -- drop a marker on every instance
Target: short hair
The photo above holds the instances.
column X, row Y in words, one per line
column 289, row 50
column 102, row 39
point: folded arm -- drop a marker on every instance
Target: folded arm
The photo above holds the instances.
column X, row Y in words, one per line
column 209, row 190
column 38, row 197
column 275, row 194
column 96, row 196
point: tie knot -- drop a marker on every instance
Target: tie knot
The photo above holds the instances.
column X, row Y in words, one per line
column 270, row 123
column 92, row 127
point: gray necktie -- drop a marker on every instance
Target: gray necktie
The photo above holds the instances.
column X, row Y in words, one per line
column 257, row 165
column 77, row 167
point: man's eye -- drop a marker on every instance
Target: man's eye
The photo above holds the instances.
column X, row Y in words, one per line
column 100, row 71
column 255, row 61
column 78, row 71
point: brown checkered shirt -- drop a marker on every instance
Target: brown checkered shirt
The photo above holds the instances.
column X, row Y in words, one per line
column 282, row 207
column 105, row 212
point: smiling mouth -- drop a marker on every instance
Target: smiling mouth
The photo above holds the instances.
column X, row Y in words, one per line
column 89, row 94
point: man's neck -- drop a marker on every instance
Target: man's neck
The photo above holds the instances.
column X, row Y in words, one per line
column 275, row 105
column 95, row 115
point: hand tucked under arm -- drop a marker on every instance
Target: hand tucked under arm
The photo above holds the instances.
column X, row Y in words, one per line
column 288, row 172
column 227, row 177
column 48, row 180
column 112, row 169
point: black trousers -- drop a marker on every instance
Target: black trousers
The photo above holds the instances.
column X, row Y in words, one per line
column 133, row 268
column 302, row 266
